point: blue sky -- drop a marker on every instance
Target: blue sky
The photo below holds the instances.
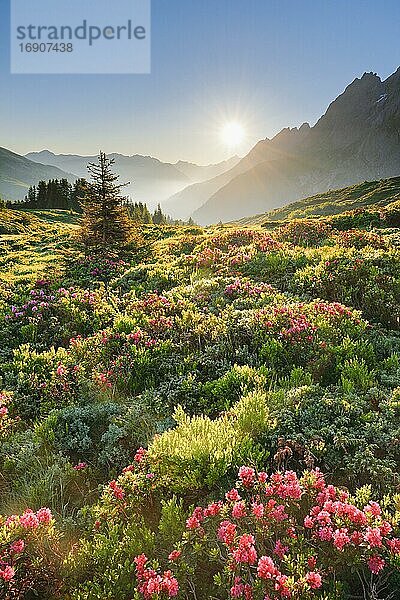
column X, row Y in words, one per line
column 265, row 63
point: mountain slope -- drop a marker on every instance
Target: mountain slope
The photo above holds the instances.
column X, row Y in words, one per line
column 17, row 173
column 367, row 193
column 186, row 202
column 358, row 138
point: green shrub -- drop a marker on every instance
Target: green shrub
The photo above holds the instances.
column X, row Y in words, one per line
column 367, row 279
column 199, row 452
column 103, row 435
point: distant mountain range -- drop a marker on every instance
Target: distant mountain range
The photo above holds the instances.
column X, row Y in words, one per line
column 17, row 173
column 151, row 181
column 191, row 199
column 357, row 139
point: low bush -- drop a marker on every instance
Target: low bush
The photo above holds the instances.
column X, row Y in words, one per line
column 279, row 537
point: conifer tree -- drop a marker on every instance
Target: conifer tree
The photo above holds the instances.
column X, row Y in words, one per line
column 64, row 194
column 139, row 212
column 158, row 217
column 78, row 194
column 30, row 198
column 52, row 191
column 105, row 224
column 42, row 194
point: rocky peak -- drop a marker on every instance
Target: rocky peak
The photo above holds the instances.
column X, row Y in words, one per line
column 304, row 128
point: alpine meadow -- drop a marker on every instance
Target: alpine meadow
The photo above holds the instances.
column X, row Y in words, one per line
column 200, row 356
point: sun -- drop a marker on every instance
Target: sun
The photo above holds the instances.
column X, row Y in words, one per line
column 232, row 134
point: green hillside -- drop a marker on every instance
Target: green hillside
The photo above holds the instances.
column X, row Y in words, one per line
column 13, row 221
column 17, row 173
column 62, row 217
column 32, row 244
column 365, row 194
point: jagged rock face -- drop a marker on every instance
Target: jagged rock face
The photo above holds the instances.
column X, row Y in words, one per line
column 344, row 122
column 287, row 141
column 359, row 134
column 357, row 139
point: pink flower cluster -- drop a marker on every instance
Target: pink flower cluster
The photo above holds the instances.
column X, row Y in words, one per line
column 40, row 300
column 80, row 466
column 4, row 399
column 359, row 239
column 244, row 237
column 247, row 476
column 290, row 322
column 246, row 288
column 7, row 573
column 81, row 296
column 151, row 583
column 104, row 379
column 208, row 257
column 101, row 268
column 245, row 551
column 304, row 232
column 264, row 523
column 140, row 455
column 153, row 303
column 337, row 522
column 30, row 519
column 300, row 323
column 232, row 248
column 20, row 525
column 332, row 309
column 241, row 590
column 160, row 324
column 116, row 490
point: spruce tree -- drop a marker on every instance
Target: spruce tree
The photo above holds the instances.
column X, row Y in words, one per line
column 146, row 215
column 52, row 193
column 30, row 198
column 64, row 194
column 139, row 213
column 78, row 194
column 42, row 195
column 106, row 226
column 158, row 217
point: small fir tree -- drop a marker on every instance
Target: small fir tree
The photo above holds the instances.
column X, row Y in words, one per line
column 106, row 226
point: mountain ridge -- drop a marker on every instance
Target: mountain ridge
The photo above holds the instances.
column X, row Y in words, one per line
column 357, row 138
column 17, row 173
column 150, row 180
column 194, row 196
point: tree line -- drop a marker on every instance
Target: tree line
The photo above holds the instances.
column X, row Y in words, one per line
column 139, row 213
column 60, row 194
column 55, row 193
